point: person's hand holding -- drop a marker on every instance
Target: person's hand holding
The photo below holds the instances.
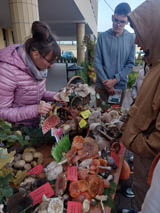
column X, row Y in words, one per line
column 108, row 84
column 57, row 98
column 44, row 108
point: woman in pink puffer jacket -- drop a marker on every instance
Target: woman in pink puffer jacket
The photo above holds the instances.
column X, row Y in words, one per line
column 23, row 72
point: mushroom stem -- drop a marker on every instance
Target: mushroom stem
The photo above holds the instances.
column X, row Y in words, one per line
column 62, row 162
column 106, row 167
column 106, row 135
column 110, row 177
column 102, row 205
column 102, row 198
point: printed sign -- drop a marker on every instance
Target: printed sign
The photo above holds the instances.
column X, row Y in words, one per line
column 74, row 207
column 37, row 194
column 82, row 123
column 36, row 170
column 85, row 114
column 72, row 173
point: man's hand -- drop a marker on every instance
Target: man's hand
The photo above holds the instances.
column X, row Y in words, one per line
column 108, row 84
column 44, row 108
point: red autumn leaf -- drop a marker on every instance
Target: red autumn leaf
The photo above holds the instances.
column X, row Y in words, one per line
column 49, row 123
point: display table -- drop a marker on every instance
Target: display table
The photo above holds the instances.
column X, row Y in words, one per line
column 46, row 150
column 117, row 175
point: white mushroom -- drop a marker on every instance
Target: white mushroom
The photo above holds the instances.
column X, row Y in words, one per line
column 17, row 157
column 55, row 205
column 19, row 164
column 102, row 198
column 27, row 166
column 1, row 208
column 114, row 114
column 86, row 206
column 38, row 156
column 109, row 178
column 27, row 156
column 66, row 128
column 29, row 149
column 43, row 208
column 108, row 168
column 85, row 163
column 53, row 170
column 29, row 180
column 106, row 117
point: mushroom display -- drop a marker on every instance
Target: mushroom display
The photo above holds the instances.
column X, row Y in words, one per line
column 27, row 160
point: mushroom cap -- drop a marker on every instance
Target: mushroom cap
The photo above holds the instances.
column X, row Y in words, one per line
column 61, row 184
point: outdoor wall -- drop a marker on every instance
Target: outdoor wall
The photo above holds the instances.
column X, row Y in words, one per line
column 88, row 11
column 94, row 5
column 2, row 43
column 6, row 37
column 23, row 13
column 69, row 47
column 9, row 36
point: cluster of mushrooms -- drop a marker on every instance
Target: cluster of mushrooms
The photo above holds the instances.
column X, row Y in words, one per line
column 93, row 172
column 27, row 160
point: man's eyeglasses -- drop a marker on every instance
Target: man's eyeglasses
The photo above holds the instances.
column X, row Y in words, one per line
column 117, row 21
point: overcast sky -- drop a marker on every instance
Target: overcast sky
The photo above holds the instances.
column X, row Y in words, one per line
column 105, row 13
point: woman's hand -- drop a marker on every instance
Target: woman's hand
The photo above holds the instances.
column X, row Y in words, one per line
column 44, row 108
column 57, row 98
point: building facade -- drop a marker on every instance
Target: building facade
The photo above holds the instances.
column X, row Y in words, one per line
column 70, row 20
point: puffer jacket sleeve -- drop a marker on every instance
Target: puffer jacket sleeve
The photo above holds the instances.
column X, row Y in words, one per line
column 48, row 95
column 8, row 86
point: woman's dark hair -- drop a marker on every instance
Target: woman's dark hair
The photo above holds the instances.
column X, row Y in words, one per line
column 42, row 40
column 122, row 9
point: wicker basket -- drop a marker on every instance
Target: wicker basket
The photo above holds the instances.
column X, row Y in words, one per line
column 75, row 79
column 76, row 99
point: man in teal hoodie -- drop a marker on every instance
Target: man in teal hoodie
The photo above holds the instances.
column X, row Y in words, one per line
column 115, row 55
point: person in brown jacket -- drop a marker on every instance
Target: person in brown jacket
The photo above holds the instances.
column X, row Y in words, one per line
column 141, row 132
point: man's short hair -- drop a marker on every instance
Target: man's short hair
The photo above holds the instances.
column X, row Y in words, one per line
column 122, row 9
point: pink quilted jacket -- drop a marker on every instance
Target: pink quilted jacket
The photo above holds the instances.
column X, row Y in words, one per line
column 20, row 93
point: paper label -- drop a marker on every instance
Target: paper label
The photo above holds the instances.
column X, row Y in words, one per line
column 72, row 173
column 82, row 123
column 37, row 194
column 85, row 114
column 74, row 207
column 53, row 131
column 36, row 170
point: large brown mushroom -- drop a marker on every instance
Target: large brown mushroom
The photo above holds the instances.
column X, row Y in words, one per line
column 61, row 184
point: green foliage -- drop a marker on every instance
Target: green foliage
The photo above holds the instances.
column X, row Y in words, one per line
column 10, row 136
column 109, row 192
column 91, row 45
column 5, row 189
column 36, row 136
column 132, row 79
column 62, row 146
column 139, row 60
column 83, row 73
